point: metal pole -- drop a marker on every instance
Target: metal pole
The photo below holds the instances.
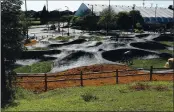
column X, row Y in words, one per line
column 108, row 20
column 59, row 21
column 47, row 15
column 68, row 20
column 133, row 17
column 92, row 9
column 26, row 17
column 155, row 12
column 143, row 3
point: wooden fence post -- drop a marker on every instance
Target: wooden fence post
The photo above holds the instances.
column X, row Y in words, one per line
column 81, row 79
column 117, row 76
column 45, row 82
column 151, row 71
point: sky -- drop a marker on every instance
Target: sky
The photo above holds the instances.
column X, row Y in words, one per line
column 37, row 5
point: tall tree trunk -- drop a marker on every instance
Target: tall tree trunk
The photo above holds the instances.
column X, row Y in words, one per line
column 3, row 78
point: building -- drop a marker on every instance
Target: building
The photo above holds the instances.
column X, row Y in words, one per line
column 150, row 14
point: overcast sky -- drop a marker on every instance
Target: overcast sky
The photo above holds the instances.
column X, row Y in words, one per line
column 37, row 5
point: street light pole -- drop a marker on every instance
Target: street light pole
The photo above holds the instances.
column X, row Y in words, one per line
column 68, row 20
column 143, row 3
column 59, row 20
column 155, row 11
column 26, row 17
column 47, row 15
column 108, row 20
column 133, row 17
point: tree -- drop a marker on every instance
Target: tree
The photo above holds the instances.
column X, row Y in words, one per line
column 136, row 17
column 138, row 26
column 171, row 7
column 90, row 22
column 108, row 18
column 11, row 44
column 123, row 20
column 44, row 16
column 24, row 24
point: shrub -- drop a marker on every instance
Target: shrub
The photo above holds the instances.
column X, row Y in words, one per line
column 88, row 97
column 138, row 31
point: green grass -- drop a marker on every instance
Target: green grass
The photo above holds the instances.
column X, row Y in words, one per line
column 166, row 51
column 92, row 38
column 63, row 38
column 40, row 67
column 167, row 43
column 146, row 63
column 101, row 98
column 95, row 38
column 40, row 48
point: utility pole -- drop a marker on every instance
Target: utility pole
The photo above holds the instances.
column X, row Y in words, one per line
column 151, row 5
column 58, row 20
column 133, row 17
column 92, row 9
column 155, row 11
column 108, row 19
column 26, row 17
column 68, row 19
column 47, row 15
column 143, row 3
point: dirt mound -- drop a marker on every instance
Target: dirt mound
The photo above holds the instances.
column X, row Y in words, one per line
column 78, row 41
column 165, row 37
column 142, row 35
column 37, row 53
column 149, row 45
column 76, row 55
column 97, row 44
column 116, row 55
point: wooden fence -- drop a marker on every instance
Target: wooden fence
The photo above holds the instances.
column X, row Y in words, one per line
column 81, row 79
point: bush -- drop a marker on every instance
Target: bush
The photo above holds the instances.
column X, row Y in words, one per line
column 88, row 97
column 138, row 31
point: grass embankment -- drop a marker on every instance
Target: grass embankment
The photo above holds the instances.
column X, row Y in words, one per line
column 166, row 51
column 170, row 44
column 35, row 23
column 41, row 48
column 62, row 38
column 40, row 67
column 144, row 96
column 92, row 38
column 167, row 43
column 146, row 63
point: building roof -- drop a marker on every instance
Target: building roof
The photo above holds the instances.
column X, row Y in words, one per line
column 145, row 11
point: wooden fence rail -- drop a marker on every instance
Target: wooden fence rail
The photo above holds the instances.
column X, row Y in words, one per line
column 45, row 76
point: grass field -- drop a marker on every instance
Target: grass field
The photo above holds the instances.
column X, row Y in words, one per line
column 146, row 63
column 62, row 38
column 167, row 43
column 40, row 67
column 166, row 51
column 40, row 48
column 142, row 96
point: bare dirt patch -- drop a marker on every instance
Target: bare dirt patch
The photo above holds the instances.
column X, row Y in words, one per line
column 39, row 86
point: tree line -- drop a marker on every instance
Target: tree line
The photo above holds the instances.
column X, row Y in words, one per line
column 109, row 20
column 45, row 16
